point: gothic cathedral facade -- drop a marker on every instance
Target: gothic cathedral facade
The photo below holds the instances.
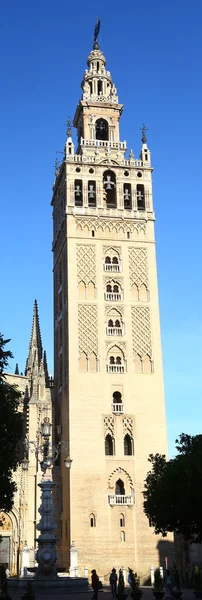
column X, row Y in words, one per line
column 109, row 395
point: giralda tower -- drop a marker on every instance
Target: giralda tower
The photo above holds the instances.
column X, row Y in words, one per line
column 109, row 396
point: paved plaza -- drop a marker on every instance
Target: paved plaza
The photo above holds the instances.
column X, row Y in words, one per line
column 54, row 595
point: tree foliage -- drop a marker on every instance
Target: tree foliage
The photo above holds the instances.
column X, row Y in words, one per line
column 11, row 429
column 173, row 490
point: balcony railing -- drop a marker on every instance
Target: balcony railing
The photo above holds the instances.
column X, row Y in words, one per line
column 118, row 408
column 114, row 331
column 115, row 369
column 103, row 144
column 116, row 499
column 111, row 267
column 112, row 296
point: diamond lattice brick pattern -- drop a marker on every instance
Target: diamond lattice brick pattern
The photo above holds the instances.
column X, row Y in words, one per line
column 128, row 425
column 88, row 328
column 86, row 263
column 109, row 425
column 138, row 268
column 141, row 330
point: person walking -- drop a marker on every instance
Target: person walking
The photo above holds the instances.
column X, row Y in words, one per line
column 168, row 583
column 113, row 582
column 95, row 583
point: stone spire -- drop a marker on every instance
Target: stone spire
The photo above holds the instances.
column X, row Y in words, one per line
column 35, row 347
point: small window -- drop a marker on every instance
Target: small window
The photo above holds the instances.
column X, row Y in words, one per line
column 128, row 235
column 122, row 520
column 128, row 445
column 109, row 445
column 78, row 170
column 126, row 173
column 93, row 233
column 119, row 488
column 92, row 520
column 123, row 536
column 117, row 398
column 99, row 87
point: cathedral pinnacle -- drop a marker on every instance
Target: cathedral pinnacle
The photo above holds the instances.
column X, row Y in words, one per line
column 96, row 45
column 35, row 346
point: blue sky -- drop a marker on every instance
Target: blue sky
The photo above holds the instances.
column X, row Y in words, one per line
column 153, row 51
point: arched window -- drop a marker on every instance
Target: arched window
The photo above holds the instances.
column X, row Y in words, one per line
column 128, row 445
column 115, row 260
column 117, row 398
column 118, row 360
column 140, row 197
column 109, row 288
column 115, row 289
column 92, row 520
column 127, row 196
column 109, row 445
column 117, row 406
column 99, row 87
column 109, row 184
column 117, row 323
column 92, row 194
column 102, row 129
column 110, row 323
column 119, row 488
column 111, row 360
column 123, row 536
column 107, row 260
column 122, row 520
column 78, row 192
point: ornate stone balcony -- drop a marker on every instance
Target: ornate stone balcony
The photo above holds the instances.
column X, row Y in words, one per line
column 114, row 331
column 113, row 296
column 118, row 408
column 114, row 268
column 103, row 144
column 120, row 500
column 115, row 369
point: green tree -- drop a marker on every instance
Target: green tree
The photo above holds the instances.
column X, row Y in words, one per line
column 173, row 490
column 11, row 430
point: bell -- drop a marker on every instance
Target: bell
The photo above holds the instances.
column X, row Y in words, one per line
column 77, row 191
column 108, row 183
column 91, row 192
column 126, row 195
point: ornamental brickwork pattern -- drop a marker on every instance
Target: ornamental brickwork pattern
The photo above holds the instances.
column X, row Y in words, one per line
column 141, row 331
column 138, row 267
column 86, row 263
column 88, row 328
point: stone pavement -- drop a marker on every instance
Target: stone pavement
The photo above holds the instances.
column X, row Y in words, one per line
column 79, row 595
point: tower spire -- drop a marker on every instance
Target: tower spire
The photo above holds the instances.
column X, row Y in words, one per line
column 35, row 346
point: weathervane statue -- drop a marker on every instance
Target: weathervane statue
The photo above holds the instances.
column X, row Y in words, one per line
column 96, row 33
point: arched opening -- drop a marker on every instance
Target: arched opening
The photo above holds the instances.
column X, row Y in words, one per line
column 107, row 260
column 143, row 294
column 92, row 194
column 111, row 360
column 117, row 397
column 92, row 520
column 140, row 197
column 119, row 488
column 78, row 192
column 127, row 196
column 109, row 288
column 83, row 362
column 92, row 362
column 115, row 260
column 117, row 323
column 109, row 445
column 101, row 127
column 123, row 536
column 99, row 87
column 109, row 184
column 122, row 520
column 110, row 323
column 128, row 445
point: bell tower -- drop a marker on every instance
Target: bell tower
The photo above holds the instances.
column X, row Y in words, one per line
column 109, row 397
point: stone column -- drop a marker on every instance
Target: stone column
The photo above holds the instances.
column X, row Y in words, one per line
column 46, row 554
